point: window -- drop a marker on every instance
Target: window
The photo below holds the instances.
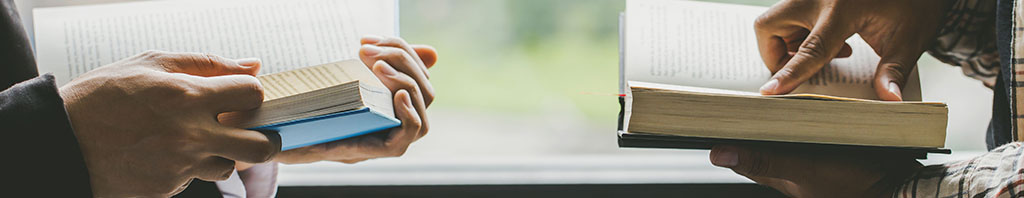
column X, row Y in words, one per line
column 526, row 95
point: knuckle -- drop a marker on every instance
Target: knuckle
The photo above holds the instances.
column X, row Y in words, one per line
column 762, row 21
column 391, row 53
column 424, row 129
column 188, row 91
column 266, row 153
column 428, row 96
column 252, row 89
column 813, row 47
column 410, row 84
column 176, row 91
column 895, row 71
column 415, row 125
column 201, row 61
column 212, row 59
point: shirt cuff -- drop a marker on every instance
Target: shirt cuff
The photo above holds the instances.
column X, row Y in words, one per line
column 260, row 180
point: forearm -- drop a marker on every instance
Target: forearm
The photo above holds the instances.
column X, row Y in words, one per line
column 994, row 174
column 39, row 142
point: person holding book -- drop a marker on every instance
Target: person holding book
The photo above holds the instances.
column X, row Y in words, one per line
column 147, row 125
column 797, row 37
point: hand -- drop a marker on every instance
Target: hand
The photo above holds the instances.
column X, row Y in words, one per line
column 147, row 124
column 798, row 37
column 403, row 69
column 803, row 173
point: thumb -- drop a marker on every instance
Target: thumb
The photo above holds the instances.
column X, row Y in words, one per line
column 760, row 164
column 891, row 75
column 206, row 65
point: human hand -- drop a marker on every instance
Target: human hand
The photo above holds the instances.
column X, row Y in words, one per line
column 403, row 69
column 797, row 38
column 147, row 125
column 804, row 173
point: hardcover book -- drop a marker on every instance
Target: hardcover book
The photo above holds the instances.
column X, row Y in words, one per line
column 690, row 74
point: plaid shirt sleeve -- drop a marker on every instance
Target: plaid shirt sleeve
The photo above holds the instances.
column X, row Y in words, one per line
column 968, row 40
column 998, row 173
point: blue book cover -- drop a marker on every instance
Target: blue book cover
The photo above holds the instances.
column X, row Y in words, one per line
column 330, row 127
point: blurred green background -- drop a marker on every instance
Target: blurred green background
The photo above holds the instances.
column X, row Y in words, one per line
column 521, row 56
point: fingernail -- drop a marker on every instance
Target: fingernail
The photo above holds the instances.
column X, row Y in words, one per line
column 386, row 69
column 371, row 50
column 895, row 90
column 769, row 88
column 248, row 62
column 371, row 39
column 725, row 158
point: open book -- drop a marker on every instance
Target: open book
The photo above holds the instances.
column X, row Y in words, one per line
column 691, row 73
column 286, row 35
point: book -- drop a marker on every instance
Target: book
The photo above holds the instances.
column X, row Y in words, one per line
column 318, row 104
column 690, row 74
column 333, row 98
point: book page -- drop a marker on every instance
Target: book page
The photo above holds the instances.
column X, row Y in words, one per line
column 713, row 45
column 284, row 34
column 288, row 83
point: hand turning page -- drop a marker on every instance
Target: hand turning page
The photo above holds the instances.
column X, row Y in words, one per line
column 713, row 45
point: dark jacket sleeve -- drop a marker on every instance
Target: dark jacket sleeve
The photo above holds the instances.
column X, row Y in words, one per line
column 41, row 153
column 16, row 60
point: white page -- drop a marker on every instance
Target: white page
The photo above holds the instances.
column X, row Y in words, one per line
column 713, row 45
column 284, row 34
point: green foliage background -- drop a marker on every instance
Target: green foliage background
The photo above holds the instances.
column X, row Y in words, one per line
column 521, row 56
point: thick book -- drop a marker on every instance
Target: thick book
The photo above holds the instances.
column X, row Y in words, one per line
column 318, row 104
column 690, row 74
column 311, row 97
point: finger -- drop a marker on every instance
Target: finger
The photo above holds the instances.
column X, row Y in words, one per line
column 428, row 54
column 773, row 50
column 400, row 138
column 351, row 161
column 398, row 81
column 821, row 45
column 793, row 44
column 753, row 163
column 243, row 145
column 230, row 93
column 891, row 75
column 401, row 61
column 775, row 29
column 214, row 169
column 401, row 44
column 784, row 186
column 845, row 52
column 203, row 64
